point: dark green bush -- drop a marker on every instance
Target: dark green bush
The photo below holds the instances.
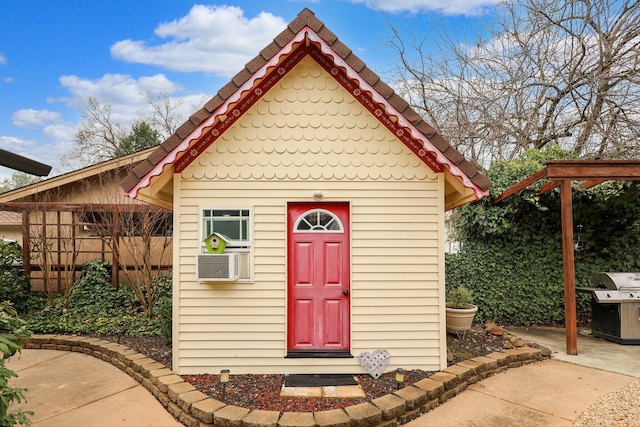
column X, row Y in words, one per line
column 95, row 307
column 163, row 308
column 14, row 285
column 13, row 330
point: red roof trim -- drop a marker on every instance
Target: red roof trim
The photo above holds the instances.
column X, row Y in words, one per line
column 268, row 75
column 238, row 110
column 425, row 150
column 366, row 100
column 219, row 113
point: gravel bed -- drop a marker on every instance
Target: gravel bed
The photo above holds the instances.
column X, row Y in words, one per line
column 620, row 408
column 617, row 409
column 262, row 392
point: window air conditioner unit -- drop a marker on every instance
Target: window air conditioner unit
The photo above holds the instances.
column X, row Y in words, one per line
column 217, row 267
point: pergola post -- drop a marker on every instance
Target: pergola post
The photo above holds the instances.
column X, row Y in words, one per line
column 115, row 238
column 570, row 318
column 563, row 172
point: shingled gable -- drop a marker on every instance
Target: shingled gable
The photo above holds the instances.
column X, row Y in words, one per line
column 305, row 35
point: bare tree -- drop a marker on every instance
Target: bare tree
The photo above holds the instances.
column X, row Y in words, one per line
column 146, row 242
column 17, row 180
column 552, row 71
column 100, row 137
column 135, row 237
column 164, row 114
column 139, row 235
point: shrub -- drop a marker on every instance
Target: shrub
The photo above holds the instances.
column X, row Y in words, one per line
column 459, row 297
column 164, row 305
column 12, row 331
column 95, row 307
column 94, row 293
column 14, row 285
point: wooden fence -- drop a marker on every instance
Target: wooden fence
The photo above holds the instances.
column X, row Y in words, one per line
column 59, row 238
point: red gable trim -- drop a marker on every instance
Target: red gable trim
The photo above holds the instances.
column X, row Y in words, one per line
column 366, row 100
column 418, row 143
column 227, row 114
column 283, row 69
column 238, row 111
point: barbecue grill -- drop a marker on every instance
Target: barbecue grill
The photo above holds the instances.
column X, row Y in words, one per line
column 615, row 306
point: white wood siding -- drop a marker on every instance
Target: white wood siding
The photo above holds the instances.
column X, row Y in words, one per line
column 307, row 135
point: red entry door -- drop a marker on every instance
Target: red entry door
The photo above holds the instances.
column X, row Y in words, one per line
column 318, row 285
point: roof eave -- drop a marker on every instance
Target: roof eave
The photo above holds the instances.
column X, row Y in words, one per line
column 76, row 175
column 305, row 34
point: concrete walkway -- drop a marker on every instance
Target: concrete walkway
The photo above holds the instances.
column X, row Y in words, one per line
column 548, row 393
column 552, row 392
column 74, row 389
column 592, row 352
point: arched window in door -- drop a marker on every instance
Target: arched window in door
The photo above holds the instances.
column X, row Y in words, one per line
column 318, row 221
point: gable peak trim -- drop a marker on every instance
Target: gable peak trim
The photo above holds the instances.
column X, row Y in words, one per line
column 204, row 134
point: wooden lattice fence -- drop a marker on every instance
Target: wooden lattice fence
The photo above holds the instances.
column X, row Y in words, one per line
column 59, row 238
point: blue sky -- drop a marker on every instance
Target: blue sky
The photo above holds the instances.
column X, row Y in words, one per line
column 53, row 54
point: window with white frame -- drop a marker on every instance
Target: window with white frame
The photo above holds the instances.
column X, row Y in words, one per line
column 235, row 224
column 318, row 221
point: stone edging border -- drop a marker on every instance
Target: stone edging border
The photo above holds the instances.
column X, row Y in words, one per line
column 195, row 409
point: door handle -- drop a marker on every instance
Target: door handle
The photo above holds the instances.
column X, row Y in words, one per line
column 345, row 292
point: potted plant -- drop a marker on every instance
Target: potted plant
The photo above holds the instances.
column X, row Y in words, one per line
column 460, row 310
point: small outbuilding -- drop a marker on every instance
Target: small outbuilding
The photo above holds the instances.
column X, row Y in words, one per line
column 332, row 192
column 67, row 220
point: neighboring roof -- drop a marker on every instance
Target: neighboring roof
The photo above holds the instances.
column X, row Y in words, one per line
column 10, row 218
column 23, row 164
column 203, row 127
column 77, row 175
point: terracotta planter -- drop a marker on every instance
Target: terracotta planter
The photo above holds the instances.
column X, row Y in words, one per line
column 460, row 319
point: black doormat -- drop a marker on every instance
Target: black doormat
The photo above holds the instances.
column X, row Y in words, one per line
column 318, row 380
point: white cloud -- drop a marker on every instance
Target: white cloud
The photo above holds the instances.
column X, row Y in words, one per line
column 33, row 119
column 62, row 99
column 125, row 94
column 117, row 88
column 205, row 40
column 3, row 61
column 63, row 132
column 13, row 144
column 451, row 7
column 157, row 84
column 187, row 105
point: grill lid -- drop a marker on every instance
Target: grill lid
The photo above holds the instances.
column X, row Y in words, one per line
column 616, row 281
